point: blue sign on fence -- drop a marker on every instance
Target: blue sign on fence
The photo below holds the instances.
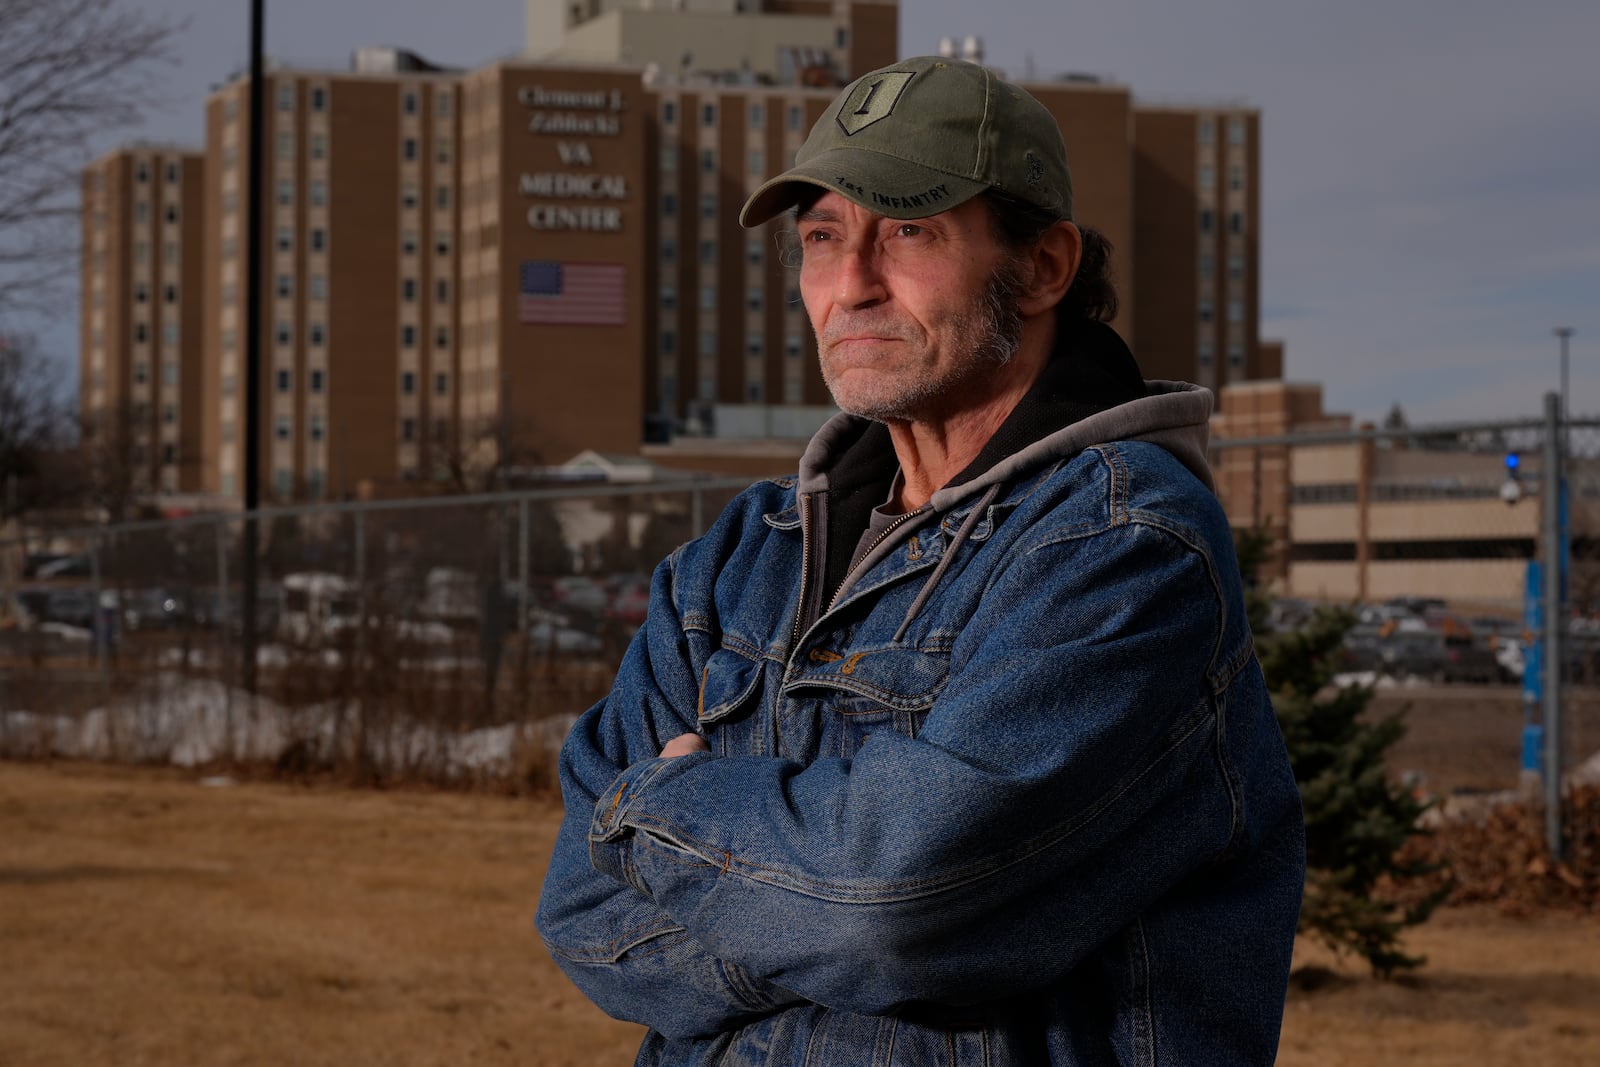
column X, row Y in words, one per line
column 1533, row 629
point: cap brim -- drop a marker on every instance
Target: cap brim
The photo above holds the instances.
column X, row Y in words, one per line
column 882, row 184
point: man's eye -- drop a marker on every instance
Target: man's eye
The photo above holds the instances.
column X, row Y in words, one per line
column 815, row 236
column 909, row 229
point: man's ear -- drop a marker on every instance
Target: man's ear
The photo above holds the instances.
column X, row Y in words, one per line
column 1053, row 263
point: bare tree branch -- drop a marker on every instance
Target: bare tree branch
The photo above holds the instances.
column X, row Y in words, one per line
column 70, row 70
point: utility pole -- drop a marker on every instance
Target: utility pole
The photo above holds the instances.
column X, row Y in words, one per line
column 252, row 350
column 1552, row 551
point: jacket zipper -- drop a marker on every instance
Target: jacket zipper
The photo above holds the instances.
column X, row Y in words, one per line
column 883, row 535
column 805, row 570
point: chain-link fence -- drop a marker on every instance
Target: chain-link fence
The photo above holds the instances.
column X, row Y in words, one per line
column 391, row 631
column 434, row 638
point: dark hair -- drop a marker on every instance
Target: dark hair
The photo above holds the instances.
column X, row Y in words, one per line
column 1018, row 225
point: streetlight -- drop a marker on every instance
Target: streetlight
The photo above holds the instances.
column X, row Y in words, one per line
column 1564, row 333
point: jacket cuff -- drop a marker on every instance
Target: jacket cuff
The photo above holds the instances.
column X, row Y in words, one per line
column 615, row 812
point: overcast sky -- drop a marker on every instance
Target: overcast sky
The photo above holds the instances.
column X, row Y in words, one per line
column 1430, row 176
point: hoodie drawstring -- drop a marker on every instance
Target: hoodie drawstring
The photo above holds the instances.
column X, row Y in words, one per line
column 949, row 555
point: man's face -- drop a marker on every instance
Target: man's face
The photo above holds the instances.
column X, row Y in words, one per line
column 912, row 317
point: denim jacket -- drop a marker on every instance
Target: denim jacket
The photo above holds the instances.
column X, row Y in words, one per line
column 1013, row 795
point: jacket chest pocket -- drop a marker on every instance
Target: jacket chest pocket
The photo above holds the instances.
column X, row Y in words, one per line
column 851, row 696
column 730, row 692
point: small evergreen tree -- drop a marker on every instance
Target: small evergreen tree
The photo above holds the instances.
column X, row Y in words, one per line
column 1357, row 820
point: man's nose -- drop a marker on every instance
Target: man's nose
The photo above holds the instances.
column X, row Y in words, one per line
column 860, row 281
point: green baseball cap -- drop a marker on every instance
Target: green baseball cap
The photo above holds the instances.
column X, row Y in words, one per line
column 922, row 136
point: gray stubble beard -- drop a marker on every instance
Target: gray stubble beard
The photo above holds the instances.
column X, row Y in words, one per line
column 991, row 334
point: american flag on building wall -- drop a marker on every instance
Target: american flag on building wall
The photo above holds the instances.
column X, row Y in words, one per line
column 572, row 294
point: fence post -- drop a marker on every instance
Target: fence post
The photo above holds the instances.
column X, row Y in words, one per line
column 1550, row 552
column 360, row 664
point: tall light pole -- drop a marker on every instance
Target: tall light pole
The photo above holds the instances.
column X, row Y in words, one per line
column 1564, row 333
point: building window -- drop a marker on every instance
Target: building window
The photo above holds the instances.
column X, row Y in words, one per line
column 1235, row 222
column 317, row 288
column 169, row 373
column 282, row 481
column 441, row 384
column 316, row 381
column 669, row 112
column 319, row 99
column 1208, row 176
column 669, row 298
column 284, row 377
column 283, row 333
column 141, row 373
column 708, row 343
column 408, row 290
column 169, row 454
column 172, row 172
column 441, row 152
column 796, row 117
column 669, row 250
column 1236, row 177
column 757, row 111
column 669, row 157
column 1206, row 354
column 141, row 293
column 316, row 429
column 141, row 172
column 758, row 161
column 441, row 291
column 408, row 195
column 317, row 334
column 169, row 333
column 708, row 252
column 285, row 240
column 408, row 243
column 1236, row 311
column 283, row 428
column 708, row 298
column 669, row 343
column 708, row 205
column 1236, row 267
column 441, row 337
column 841, row 36
column 754, row 298
column 141, row 212
column 1207, row 220
column 754, row 253
column 285, row 145
column 408, row 429
column 319, row 239
column 442, row 103
column 319, row 193
column 441, row 197
column 141, row 334
column 1207, row 132
column 708, row 160
column 408, row 337
column 1236, row 357
column 171, row 214
column 791, row 347
column 285, row 193
column 283, row 287
column 1208, row 264
column 669, row 205
column 1206, row 311
column 408, row 103
column 441, row 247
column 1236, row 131
column 319, row 146
column 408, row 149
column 753, row 345
column 286, row 96
column 708, row 114
column 408, row 383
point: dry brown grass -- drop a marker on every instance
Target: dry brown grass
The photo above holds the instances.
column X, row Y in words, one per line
column 146, row 918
